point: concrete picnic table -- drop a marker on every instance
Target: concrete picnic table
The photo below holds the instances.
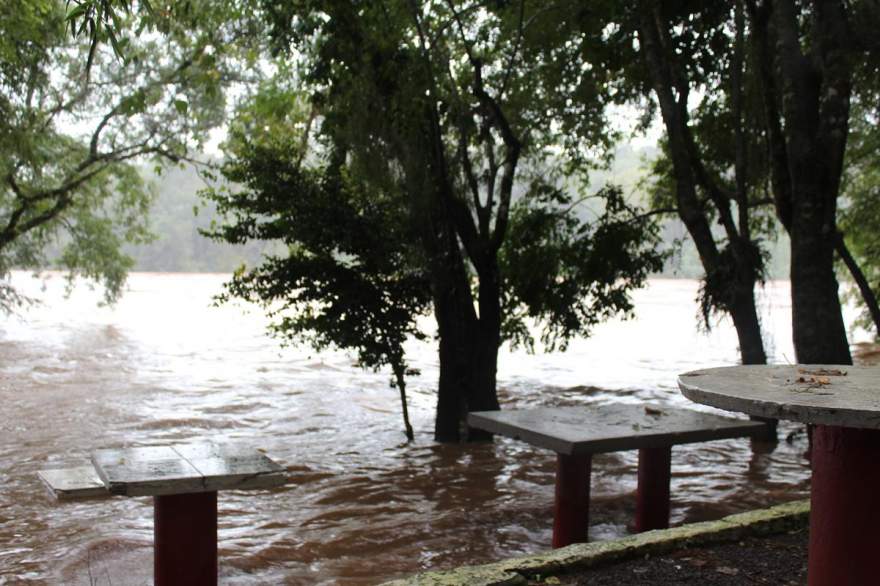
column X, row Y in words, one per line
column 843, row 404
column 183, row 480
column 576, row 433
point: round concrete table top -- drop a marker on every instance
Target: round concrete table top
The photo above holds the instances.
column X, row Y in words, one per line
column 845, row 396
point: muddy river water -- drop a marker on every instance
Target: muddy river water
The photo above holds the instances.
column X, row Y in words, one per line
column 362, row 505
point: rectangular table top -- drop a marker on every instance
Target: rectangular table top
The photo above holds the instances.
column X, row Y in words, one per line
column 185, row 468
column 593, row 429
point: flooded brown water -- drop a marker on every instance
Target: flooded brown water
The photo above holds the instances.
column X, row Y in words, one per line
column 362, row 505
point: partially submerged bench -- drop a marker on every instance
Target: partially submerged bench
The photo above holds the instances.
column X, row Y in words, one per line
column 576, row 433
column 183, row 481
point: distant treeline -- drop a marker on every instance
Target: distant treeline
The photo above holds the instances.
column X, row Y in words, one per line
column 178, row 213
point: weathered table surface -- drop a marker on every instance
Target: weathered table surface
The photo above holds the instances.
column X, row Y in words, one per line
column 185, row 468
column 75, row 482
column 611, row 428
column 845, row 396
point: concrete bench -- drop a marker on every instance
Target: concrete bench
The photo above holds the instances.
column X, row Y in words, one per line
column 183, row 481
column 576, row 433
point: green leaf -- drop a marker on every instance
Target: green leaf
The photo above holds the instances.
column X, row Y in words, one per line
column 78, row 11
column 182, row 106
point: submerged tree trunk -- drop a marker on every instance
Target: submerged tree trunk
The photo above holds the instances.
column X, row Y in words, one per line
column 468, row 341
column 468, row 367
column 400, row 381
column 467, row 381
column 468, row 347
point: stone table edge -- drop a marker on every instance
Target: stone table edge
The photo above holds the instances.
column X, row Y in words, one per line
column 842, row 417
column 548, row 442
column 734, row 429
column 515, row 571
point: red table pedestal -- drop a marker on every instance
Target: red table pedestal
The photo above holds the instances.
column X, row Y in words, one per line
column 844, row 511
column 571, row 518
column 571, row 515
column 185, row 539
column 652, row 500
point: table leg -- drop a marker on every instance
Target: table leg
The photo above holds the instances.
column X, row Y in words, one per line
column 844, row 514
column 185, row 539
column 652, row 499
column 571, row 515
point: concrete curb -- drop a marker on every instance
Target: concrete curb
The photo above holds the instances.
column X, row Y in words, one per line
column 515, row 572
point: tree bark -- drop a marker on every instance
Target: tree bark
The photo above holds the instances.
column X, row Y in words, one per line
column 818, row 329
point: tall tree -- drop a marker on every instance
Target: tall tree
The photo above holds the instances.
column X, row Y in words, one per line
column 690, row 50
column 427, row 111
column 689, row 59
column 807, row 53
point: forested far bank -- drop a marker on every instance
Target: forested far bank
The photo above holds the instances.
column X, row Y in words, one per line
column 176, row 218
column 178, row 213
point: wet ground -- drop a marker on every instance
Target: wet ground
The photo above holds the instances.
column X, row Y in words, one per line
column 780, row 560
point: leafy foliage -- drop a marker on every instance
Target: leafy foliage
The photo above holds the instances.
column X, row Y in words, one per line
column 347, row 278
column 569, row 274
column 70, row 133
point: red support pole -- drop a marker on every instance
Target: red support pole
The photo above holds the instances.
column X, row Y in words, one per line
column 571, row 515
column 844, row 511
column 652, row 499
column 185, row 539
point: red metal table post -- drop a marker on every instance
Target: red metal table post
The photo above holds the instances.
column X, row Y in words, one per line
column 571, row 515
column 185, row 539
column 844, row 511
column 652, row 500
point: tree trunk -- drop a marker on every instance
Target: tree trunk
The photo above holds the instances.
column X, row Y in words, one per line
column 468, row 367
column 667, row 80
column 817, row 321
column 748, row 326
column 400, row 379
column 861, row 281
column 808, row 139
column 468, row 345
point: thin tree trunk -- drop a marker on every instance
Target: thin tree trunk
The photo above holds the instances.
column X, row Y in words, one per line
column 400, row 378
column 670, row 87
column 748, row 330
column 859, row 277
